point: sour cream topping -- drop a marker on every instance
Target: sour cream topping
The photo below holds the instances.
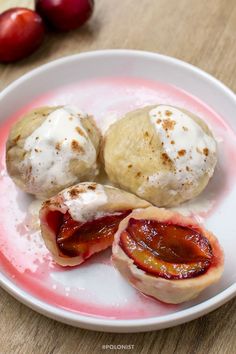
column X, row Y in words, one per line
column 58, row 140
column 106, row 121
column 186, row 146
column 84, row 201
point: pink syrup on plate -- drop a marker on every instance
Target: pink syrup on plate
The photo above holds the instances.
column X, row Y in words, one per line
column 95, row 288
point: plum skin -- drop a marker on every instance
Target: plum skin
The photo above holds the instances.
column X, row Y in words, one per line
column 65, row 15
column 21, row 33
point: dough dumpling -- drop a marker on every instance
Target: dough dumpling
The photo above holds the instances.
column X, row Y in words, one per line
column 52, row 148
column 161, row 153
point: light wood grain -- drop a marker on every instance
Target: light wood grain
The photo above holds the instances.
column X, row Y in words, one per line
column 198, row 31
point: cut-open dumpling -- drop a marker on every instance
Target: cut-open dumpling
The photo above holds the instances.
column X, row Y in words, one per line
column 83, row 219
column 52, row 148
column 166, row 255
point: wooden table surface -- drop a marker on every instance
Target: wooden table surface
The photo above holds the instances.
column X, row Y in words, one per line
column 201, row 32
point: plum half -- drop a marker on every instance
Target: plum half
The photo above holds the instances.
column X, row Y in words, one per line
column 166, row 250
column 83, row 239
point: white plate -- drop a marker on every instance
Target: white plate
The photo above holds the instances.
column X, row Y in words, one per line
column 113, row 297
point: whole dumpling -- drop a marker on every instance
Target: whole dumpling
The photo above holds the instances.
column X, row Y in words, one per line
column 52, row 148
column 161, row 153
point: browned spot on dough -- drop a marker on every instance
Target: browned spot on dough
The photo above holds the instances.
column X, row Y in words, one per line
column 129, row 166
column 172, row 142
column 206, row 151
column 146, row 135
column 159, row 121
column 138, row 174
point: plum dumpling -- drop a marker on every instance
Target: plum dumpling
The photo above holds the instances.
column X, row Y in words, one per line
column 52, row 148
column 161, row 153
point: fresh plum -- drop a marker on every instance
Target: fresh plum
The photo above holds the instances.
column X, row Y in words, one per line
column 65, row 15
column 21, row 33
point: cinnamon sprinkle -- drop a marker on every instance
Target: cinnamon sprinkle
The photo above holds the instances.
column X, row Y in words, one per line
column 166, row 158
column 75, row 146
column 168, row 113
column 181, row 152
column 168, row 124
column 80, row 131
column 58, row 146
column 92, row 187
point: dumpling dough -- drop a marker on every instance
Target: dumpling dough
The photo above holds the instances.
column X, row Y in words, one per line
column 85, row 203
column 51, row 148
column 161, row 153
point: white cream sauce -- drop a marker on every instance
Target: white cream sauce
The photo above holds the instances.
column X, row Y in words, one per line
column 107, row 120
column 51, row 147
column 85, row 204
column 190, row 149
